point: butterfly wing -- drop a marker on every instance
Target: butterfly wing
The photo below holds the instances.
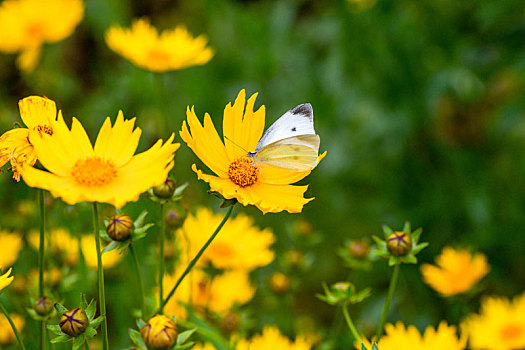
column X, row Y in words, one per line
column 298, row 153
column 297, row 121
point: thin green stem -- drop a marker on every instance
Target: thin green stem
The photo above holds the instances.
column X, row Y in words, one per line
column 86, row 345
column 350, row 324
column 101, row 291
column 161, row 262
column 41, row 262
column 139, row 278
column 196, row 258
column 388, row 301
column 18, row 338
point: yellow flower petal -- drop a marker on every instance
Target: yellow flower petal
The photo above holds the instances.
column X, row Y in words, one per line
column 36, row 110
column 28, row 59
column 5, row 279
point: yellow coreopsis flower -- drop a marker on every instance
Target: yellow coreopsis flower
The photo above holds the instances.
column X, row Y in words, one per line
column 25, row 25
column 267, row 187
column 108, row 172
column 457, row 271
column 271, row 338
column 240, row 245
column 218, row 295
column 499, row 326
column 39, row 115
column 10, row 245
column 172, row 49
column 7, row 336
column 5, row 279
column 398, row 337
column 89, row 250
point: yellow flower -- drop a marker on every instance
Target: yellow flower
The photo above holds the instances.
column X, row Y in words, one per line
column 240, row 245
column 5, row 279
column 218, row 295
column 144, row 47
column 62, row 243
column 267, row 187
column 205, row 346
column 398, row 337
column 7, row 336
column 10, row 245
column 271, row 338
column 39, row 115
column 89, row 249
column 25, row 25
column 108, row 173
column 457, row 271
column 499, row 326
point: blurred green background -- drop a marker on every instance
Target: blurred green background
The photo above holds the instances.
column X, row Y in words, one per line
column 418, row 103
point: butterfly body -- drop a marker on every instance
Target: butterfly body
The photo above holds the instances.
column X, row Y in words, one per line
column 290, row 142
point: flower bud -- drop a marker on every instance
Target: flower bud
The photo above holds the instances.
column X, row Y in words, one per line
column 160, row 332
column 165, row 190
column 399, row 243
column 44, row 305
column 294, row 258
column 230, row 323
column 120, row 227
column 173, row 218
column 343, row 287
column 279, row 282
column 74, row 322
column 359, row 249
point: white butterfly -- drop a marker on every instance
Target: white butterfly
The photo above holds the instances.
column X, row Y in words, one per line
column 290, row 142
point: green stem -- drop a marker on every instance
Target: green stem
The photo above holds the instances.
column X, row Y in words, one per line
column 101, row 292
column 388, row 301
column 41, row 254
column 350, row 324
column 161, row 262
column 139, row 278
column 196, row 258
column 13, row 326
column 86, row 345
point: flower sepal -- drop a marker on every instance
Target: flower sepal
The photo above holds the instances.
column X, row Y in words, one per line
column 137, row 231
column 374, row 346
column 176, row 196
column 399, row 247
column 226, row 203
column 343, row 293
column 180, row 344
column 76, row 325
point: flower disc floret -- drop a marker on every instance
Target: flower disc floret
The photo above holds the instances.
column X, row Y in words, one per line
column 243, row 172
column 93, row 171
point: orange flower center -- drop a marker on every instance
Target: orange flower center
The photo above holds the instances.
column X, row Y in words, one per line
column 158, row 56
column 243, row 172
column 222, row 250
column 46, row 129
column 93, row 172
column 511, row 332
column 34, row 32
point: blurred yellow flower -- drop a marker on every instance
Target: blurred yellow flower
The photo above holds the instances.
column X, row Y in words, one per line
column 25, row 25
column 457, row 271
column 240, row 245
column 267, row 187
column 172, row 49
column 271, row 338
column 5, row 279
column 398, row 337
column 218, row 295
column 89, row 249
column 499, row 326
column 108, row 173
column 10, row 245
column 62, row 244
column 205, row 346
column 39, row 115
column 7, row 336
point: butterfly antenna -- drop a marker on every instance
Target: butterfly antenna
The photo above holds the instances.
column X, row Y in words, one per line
column 227, row 138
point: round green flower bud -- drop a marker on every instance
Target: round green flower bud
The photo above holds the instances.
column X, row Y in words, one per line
column 173, row 218
column 165, row 190
column 159, row 333
column 44, row 305
column 343, row 287
column 230, row 323
column 74, row 322
column 399, row 243
column 359, row 249
column 120, row 227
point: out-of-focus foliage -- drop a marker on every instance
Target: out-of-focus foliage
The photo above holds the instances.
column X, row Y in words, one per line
column 419, row 104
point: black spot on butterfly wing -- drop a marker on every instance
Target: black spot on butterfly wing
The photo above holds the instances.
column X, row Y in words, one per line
column 305, row 110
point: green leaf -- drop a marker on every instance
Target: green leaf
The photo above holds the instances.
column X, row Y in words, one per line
column 184, row 346
column 393, row 260
column 96, row 322
column 91, row 309
column 90, row 332
column 104, row 236
column 140, row 323
column 136, row 338
column 60, row 308
column 110, row 247
column 178, row 191
column 363, row 347
column 419, row 247
column 185, row 335
column 416, row 234
column 83, row 301
column 410, row 259
column 140, row 219
column 142, row 230
column 387, row 231
column 61, row 339
column 55, row 329
column 406, row 228
column 374, row 346
column 78, row 341
column 123, row 245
